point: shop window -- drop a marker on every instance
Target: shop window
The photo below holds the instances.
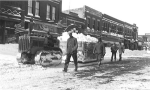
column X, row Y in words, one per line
column 48, row 12
column 53, row 13
column 30, row 7
column 37, row 9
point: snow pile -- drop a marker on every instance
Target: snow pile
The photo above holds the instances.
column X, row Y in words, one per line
column 80, row 37
column 8, row 61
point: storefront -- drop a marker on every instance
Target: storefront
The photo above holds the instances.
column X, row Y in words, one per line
column 7, row 31
column 8, row 19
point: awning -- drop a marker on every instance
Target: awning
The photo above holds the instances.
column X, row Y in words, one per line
column 111, row 39
column 70, row 27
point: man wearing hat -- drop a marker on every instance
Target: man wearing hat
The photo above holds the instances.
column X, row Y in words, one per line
column 99, row 50
column 121, row 50
column 71, row 50
column 114, row 49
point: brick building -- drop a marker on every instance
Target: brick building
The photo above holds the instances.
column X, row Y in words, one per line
column 92, row 19
column 72, row 18
column 145, row 40
column 109, row 28
column 45, row 14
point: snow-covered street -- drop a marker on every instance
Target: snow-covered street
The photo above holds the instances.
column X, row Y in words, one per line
column 133, row 73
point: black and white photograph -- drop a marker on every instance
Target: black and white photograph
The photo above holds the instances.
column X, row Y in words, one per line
column 74, row 45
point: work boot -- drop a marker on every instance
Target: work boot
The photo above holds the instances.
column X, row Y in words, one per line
column 99, row 63
column 65, row 68
column 120, row 59
column 76, row 68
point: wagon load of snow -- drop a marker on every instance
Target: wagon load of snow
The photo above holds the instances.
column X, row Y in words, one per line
column 85, row 46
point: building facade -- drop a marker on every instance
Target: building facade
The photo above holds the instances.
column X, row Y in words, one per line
column 72, row 18
column 112, row 29
column 9, row 16
column 44, row 14
column 92, row 19
column 109, row 28
column 145, row 40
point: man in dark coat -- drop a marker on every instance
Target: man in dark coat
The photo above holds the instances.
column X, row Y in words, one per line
column 99, row 50
column 71, row 50
column 114, row 49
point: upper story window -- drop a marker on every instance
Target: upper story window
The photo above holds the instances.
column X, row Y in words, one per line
column 37, row 8
column 107, row 28
column 53, row 13
column 104, row 26
column 48, row 12
column 113, row 28
column 98, row 25
column 94, row 22
column 30, row 7
column 119, row 30
column 88, row 22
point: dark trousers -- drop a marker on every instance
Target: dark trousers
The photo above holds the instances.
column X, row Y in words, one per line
column 113, row 55
column 74, row 55
column 99, row 58
column 120, row 57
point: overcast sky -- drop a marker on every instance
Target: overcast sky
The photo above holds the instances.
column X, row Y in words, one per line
column 131, row 11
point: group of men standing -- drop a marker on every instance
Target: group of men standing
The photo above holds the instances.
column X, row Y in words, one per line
column 114, row 49
column 99, row 50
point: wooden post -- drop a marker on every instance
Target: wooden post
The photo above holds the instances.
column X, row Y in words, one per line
column 30, row 26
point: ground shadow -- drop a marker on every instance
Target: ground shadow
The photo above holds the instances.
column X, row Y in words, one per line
column 111, row 69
